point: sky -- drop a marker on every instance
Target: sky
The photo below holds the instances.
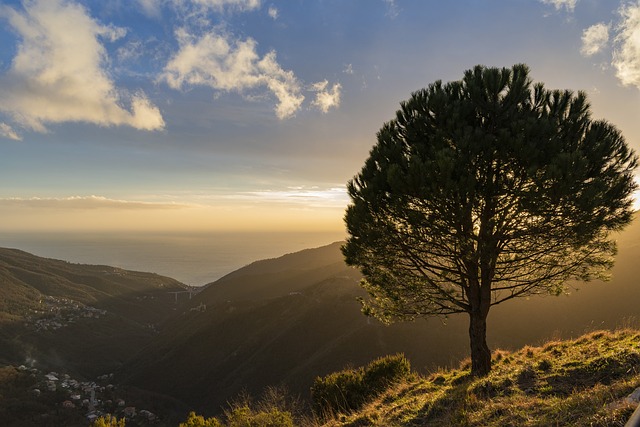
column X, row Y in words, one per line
column 250, row 115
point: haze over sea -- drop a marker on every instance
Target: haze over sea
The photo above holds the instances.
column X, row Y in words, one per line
column 192, row 258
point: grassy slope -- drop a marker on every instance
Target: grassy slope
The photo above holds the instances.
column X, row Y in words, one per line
column 582, row 382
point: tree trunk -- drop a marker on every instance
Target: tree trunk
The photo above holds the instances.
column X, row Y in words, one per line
column 480, row 353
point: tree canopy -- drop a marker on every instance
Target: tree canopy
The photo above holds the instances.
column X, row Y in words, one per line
column 483, row 190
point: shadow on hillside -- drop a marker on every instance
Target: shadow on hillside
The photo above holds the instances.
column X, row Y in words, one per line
column 82, row 319
column 287, row 320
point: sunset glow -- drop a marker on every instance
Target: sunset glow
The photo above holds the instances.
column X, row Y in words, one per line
column 249, row 115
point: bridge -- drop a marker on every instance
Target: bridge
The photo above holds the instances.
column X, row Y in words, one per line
column 189, row 291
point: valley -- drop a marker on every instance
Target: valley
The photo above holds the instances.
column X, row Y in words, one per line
column 277, row 322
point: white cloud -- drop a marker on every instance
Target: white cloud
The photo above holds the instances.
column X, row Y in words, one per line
column 273, row 12
column 569, row 5
column 313, row 197
column 58, row 72
column 392, row 9
column 217, row 61
column 626, row 56
column 594, row 39
column 8, row 132
column 130, row 51
column 326, row 99
column 151, row 8
column 85, row 202
column 348, row 69
column 220, row 5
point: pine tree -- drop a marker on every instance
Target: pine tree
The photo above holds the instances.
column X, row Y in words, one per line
column 483, row 190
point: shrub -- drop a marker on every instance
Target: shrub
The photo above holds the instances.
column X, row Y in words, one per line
column 273, row 410
column 194, row 420
column 108, row 421
column 348, row 390
column 243, row 416
column 384, row 372
column 341, row 391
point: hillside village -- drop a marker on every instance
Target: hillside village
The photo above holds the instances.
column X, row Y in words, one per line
column 90, row 399
column 56, row 312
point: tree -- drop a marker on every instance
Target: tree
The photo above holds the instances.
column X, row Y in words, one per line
column 483, row 190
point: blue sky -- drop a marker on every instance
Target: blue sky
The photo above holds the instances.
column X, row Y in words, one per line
column 253, row 114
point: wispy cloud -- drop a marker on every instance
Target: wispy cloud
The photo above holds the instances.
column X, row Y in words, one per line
column 273, row 12
column 221, row 5
column 594, row 39
column 392, row 9
column 218, row 61
column 58, row 74
column 568, row 5
column 151, row 8
column 326, row 98
column 626, row 55
column 86, row 202
column 131, row 51
column 7, row 131
column 308, row 197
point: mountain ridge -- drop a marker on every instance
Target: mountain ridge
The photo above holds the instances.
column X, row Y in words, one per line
column 286, row 320
column 306, row 321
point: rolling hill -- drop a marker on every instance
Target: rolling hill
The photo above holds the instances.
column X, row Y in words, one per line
column 286, row 320
column 84, row 319
column 280, row 321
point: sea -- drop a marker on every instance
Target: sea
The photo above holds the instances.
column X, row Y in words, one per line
column 194, row 259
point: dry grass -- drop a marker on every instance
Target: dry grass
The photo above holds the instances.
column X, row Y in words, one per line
column 582, row 382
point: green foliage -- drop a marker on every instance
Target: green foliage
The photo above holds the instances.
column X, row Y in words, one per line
column 338, row 392
column 272, row 410
column 350, row 389
column 108, row 421
column 384, row 372
column 584, row 384
column 194, row 420
column 243, row 416
column 483, row 190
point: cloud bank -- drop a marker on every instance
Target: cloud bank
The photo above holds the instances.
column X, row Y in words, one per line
column 58, row 74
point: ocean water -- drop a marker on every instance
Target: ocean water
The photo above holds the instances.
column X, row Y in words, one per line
column 192, row 258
